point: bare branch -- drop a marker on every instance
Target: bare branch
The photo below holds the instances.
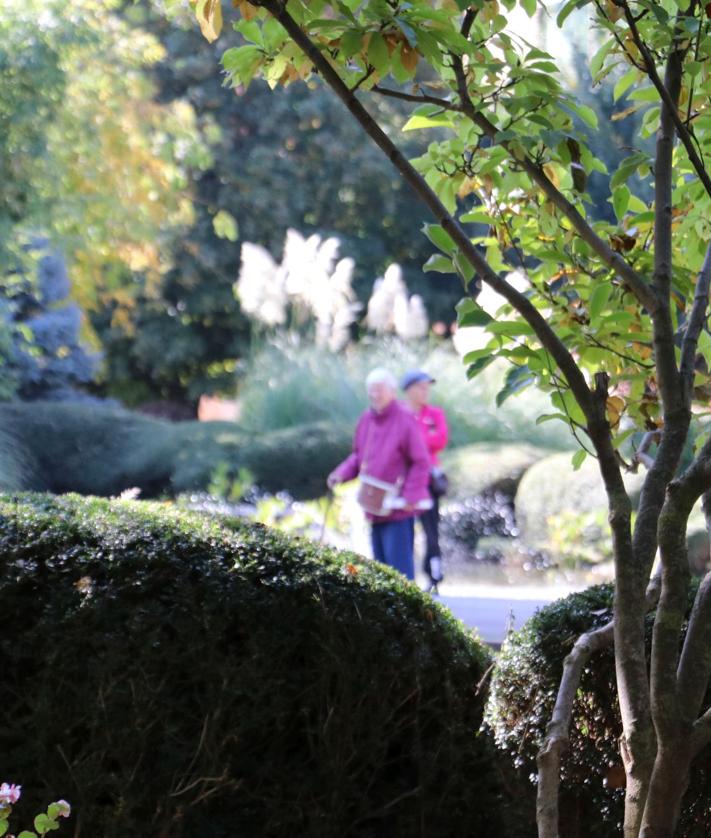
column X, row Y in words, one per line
column 695, row 324
column 695, row 663
column 557, row 733
column 557, row 738
column 418, row 98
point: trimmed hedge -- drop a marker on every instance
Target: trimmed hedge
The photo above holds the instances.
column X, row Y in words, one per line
column 488, row 467
column 523, row 690
column 552, row 486
column 174, row 676
column 97, row 450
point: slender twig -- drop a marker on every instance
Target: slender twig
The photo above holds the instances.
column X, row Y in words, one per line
column 666, row 97
column 418, row 98
column 622, row 268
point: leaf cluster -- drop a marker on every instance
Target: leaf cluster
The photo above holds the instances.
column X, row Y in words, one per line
column 512, row 158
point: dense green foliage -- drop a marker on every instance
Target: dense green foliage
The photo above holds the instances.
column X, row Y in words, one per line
column 173, row 676
column 96, row 450
column 524, row 686
column 287, row 383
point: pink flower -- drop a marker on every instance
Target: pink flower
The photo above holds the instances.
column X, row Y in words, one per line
column 9, row 794
column 64, row 808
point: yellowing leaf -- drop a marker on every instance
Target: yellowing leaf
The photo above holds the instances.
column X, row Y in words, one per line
column 209, row 16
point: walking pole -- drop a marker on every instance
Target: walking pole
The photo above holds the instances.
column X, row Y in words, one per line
column 329, row 501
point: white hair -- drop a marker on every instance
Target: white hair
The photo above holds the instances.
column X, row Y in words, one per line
column 381, row 376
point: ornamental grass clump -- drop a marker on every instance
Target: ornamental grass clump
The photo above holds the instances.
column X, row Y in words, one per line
column 182, row 677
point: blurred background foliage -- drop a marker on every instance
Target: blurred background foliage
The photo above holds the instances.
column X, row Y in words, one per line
column 121, row 147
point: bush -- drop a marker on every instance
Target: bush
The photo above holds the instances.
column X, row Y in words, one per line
column 173, row 676
column 488, row 467
column 523, row 691
column 102, row 451
column 17, row 471
column 552, row 486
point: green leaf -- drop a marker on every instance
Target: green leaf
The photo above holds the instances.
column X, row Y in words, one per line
column 599, row 299
column 242, row 62
column 623, row 84
column 597, row 60
column 588, row 115
column 418, row 121
column 644, row 94
column 439, row 264
column 517, row 378
column 627, row 168
column 510, row 328
column 529, row 6
column 464, row 268
column 27, row 834
column 351, row 42
column 578, row 458
column 378, row 54
column 477, row 216
column 225, row 226
column 440, row 238
column 44, row 824
column 568, row 9
column 620, row 201
column 474, row 369
column 547, row 417
column 4, row 826
column 475, row 316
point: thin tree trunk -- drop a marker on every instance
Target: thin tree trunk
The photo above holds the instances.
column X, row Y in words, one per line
column 557, row 734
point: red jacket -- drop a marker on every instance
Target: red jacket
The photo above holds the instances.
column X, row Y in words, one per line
column 389, row 446
column 433, row 426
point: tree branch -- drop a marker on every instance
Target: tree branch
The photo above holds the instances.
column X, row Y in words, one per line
column 664, row 94
column 557, row 738
column 418, row 98
column 695, row 663
column 695, row 324
column 613, row 260
column 520, row 302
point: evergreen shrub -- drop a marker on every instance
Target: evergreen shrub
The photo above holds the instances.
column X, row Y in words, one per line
column 100, row 450
column 176, row 676
column 523, row 691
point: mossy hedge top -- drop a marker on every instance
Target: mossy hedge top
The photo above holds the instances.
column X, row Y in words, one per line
column 170, row 675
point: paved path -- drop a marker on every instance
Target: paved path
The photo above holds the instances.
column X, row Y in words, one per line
column 491, row 609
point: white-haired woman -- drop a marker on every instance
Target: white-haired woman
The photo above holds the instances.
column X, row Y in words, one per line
column 391, row 460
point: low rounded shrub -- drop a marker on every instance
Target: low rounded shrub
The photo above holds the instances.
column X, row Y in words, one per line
column 488, row 467
column 100, row 450
column 298, row 460
column 176, row 676
column 523, row 692
column 552, row 486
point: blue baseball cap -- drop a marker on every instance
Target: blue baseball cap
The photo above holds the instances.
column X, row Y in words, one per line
column 413, row 377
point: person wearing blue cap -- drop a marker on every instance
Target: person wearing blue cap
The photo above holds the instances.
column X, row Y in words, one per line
column 433, row 427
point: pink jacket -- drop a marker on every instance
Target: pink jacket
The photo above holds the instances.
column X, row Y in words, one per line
column 434, row 430
column 389, row 446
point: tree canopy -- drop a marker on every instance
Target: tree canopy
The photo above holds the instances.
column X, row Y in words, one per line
column 611, row 319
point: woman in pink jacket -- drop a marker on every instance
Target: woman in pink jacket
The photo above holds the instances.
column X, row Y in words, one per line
column 435, row 433
column 391, row 460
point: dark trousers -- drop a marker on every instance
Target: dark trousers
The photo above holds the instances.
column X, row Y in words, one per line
column 393, row 545
column 430, row 524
